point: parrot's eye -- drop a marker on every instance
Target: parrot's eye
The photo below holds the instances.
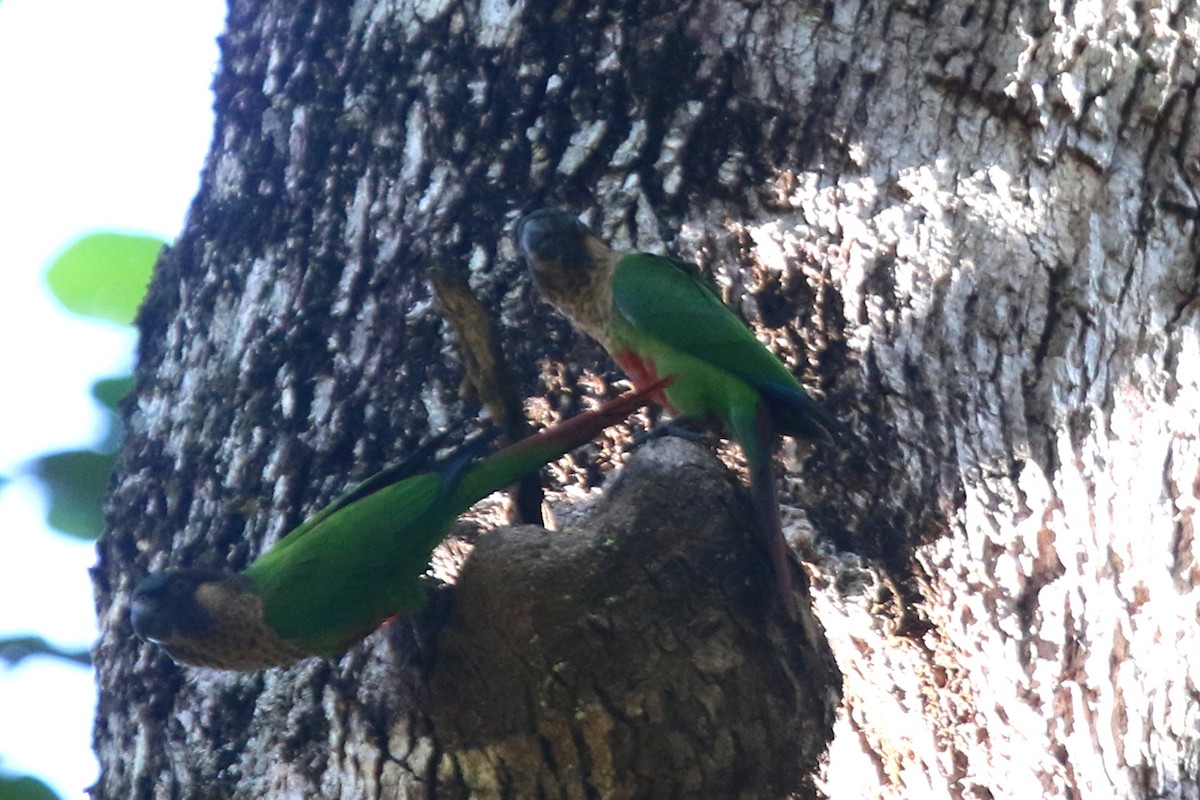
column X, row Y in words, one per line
column 536, row 239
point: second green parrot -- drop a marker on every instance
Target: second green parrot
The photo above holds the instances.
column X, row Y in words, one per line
column 657, row 317
column 346, row 569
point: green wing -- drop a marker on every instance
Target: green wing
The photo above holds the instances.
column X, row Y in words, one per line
column 354, row 568
column 661, row 298
column 389, row 476
column 359, row 560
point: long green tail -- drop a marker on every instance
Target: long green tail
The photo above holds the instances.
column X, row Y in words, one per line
column 505, row 466
column 755, row 432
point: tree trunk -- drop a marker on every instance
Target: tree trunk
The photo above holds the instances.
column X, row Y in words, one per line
column 971, row 229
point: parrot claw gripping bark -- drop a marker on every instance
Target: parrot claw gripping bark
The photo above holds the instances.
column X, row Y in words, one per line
column 352, row 565
column 657, row 318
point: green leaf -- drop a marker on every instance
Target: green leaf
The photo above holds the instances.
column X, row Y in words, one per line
column 109, row 392
column 18, row 648
column 24, row 788
column 104, row 275
column 77, row 481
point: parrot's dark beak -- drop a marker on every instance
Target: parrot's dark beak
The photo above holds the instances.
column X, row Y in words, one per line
column 145, row 609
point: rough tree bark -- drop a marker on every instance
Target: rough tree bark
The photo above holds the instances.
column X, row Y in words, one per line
column 971, row 228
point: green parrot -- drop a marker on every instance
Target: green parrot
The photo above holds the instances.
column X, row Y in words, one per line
column 352, row 565
column 657, row 317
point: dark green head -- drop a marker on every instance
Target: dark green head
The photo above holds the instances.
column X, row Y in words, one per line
column 208, row 619
column 164, row 605
column 551, row 236
column 571, row 265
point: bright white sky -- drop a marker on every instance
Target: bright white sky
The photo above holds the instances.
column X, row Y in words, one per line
column 107, row 118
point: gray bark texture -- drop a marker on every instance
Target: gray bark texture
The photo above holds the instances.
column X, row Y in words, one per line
column 970, row 228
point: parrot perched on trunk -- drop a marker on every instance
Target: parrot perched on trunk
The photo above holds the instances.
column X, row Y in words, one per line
column 657, row 317
column 346, row 569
